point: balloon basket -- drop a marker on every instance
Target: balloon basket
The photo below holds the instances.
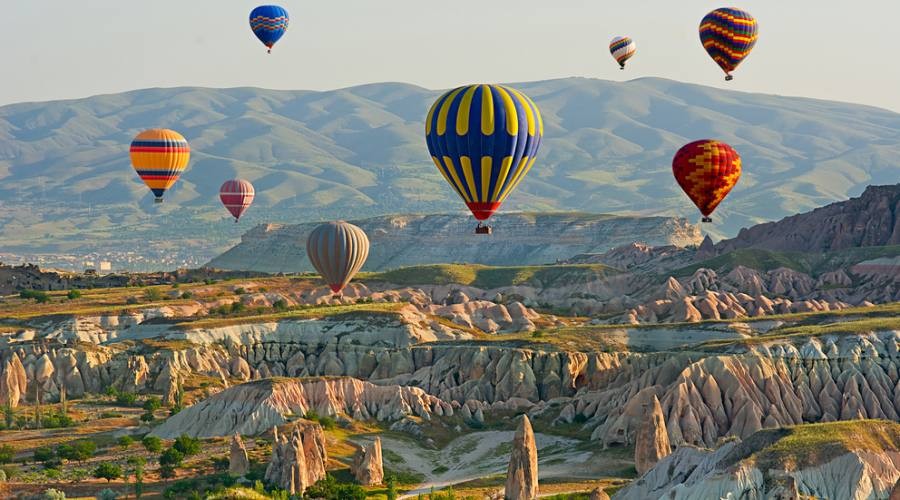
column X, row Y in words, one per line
column 728, row 78
column 482, row 229
column 158, row 200
column 706, row 219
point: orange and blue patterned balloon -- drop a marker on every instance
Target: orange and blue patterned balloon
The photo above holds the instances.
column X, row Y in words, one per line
column 483, row 140
column 707, row 170
column 269, row 23
column 159, row 156
column 622, row 49
column 728, row 35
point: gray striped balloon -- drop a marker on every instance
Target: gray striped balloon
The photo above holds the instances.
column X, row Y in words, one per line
column 338, row 251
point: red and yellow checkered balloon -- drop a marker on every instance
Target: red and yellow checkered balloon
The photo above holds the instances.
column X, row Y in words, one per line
column 707, row 170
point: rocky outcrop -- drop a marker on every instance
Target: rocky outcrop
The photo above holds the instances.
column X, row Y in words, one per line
column 238, row 461
column 833, row 469
column 298, row 460
column 253, row 407
column 598, row 494
column 13, row 382
column 368, row 467
column 404, row 240
column 652, row 442
column 873, row 219
column 522, row 473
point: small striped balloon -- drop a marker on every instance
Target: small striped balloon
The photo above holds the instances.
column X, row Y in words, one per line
column 237, row 196
column 622, row 49
column 338, row 251
column 159, row 156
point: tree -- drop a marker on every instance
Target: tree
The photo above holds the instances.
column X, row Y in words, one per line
column 330, row 489
column 171, row 457
column 280, row 305
column 391, row 484
column 152, row 294
column 78, row 451
column 7, row 453
column 108, row 471
column 125, row 441
column 152, row 404
column 44, row 454
column 126, row 398
column 166, row 471
column 137, row 469
column 187, row 445
column 73, row 294
column 9, row 413
column 153, row 444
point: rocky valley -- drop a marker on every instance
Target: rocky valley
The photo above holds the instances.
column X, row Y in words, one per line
column 645, row 371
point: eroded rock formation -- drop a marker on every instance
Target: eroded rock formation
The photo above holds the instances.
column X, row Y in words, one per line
column 368, row 467
column 298, row 460
column 238, row 461
column 652, row 442
column 522, row 473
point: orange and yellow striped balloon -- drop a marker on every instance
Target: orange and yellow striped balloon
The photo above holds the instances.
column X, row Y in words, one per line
column 707, row 170
column 159, row 156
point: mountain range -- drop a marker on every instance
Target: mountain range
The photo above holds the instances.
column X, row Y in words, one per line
column 68, row 185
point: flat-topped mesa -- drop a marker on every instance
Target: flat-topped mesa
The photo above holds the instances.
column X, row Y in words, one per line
column 520, row 239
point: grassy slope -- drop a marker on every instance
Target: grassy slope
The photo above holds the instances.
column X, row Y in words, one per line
column 815, row 444
column 487, row 277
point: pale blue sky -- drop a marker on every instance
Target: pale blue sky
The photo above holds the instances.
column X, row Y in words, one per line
column 63, row 48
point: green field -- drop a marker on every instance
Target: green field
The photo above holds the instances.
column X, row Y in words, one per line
column 487, row 277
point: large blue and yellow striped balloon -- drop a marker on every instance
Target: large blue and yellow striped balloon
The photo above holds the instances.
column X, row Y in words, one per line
column 483, row 139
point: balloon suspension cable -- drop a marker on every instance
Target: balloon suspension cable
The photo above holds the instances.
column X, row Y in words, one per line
column 706, row 219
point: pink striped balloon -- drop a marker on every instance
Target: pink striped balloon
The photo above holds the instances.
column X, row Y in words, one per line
column 237, row 196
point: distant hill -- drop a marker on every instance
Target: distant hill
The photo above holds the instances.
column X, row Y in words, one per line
column 357, row 152
column 408, row 240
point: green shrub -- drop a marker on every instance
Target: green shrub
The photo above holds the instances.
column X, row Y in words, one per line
column 132, row 300
column 239, row 291
column 44, row 454
column 53, row 494
column 7, row 453
column 39, row 296
column 187, row 295
column 152, row 294
column 187, row 445
column 152, row 403
column 108, row 471
column 107, row 494
column 73, row 294
column 126, row 398
column 125, row 441
column 280, row 305
column 153, row 444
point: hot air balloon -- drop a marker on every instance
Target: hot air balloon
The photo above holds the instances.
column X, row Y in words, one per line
column 159, row 156
column 622, row 48
column 337, row 250
column 269, row 23
column 237, row 196
column 707, row 170
column 483, row 140
column 728, row 35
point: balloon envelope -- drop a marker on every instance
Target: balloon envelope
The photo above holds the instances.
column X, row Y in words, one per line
column 483, row 140
column 338, row 251
column 159, row 156
column 728, row 35
column 707, row 170
column 622, row 48
column 237, row 196
column 269, row 23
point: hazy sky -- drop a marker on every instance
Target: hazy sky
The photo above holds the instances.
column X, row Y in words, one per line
column 64, row 48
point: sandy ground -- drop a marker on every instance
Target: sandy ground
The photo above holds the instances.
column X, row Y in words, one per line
column 478, row 455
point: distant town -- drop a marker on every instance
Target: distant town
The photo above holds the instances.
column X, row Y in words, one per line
column 148, row 260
